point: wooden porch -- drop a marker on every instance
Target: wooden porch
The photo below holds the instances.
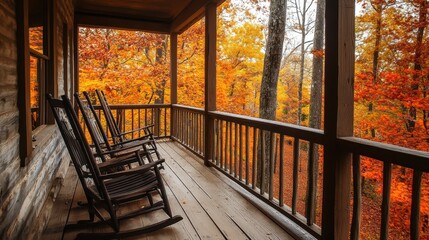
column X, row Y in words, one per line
column 213, row 206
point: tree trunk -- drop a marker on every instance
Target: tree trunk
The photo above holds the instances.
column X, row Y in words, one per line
column 376, row 52
column 412, row 113
column 303, row 29
column 268, row 97
column 316, row 88
column 379, row 10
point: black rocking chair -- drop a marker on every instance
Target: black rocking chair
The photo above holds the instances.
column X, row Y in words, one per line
column 100, row 141
column 119, row 137
column 107, row 192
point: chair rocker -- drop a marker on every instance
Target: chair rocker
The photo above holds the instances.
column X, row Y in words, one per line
column 106, row 192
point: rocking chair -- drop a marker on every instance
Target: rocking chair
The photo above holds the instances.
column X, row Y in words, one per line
column 111, row 190
column 119, row 137
column 99, row 138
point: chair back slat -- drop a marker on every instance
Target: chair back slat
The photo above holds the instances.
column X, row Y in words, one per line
column 93, row 124
column 111, row 122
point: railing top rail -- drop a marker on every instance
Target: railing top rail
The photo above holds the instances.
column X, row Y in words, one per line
column 189, row 108
column 135, row 106
column 304, row 133
column 402, row 156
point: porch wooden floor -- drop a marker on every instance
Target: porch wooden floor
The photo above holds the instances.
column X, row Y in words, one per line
column 206, row 199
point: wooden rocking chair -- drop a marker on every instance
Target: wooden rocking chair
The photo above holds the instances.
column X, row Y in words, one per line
column 107, row 192
column 119, row 137
column 99, row 138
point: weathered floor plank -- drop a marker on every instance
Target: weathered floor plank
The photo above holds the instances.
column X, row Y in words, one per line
column 247, row 217
column 61, row 207
column 211, row 208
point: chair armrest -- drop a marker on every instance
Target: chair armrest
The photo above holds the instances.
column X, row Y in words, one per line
column 147, row 137
column 129, row 158
column 123, row 148
column 137, row 129
column 139, row 169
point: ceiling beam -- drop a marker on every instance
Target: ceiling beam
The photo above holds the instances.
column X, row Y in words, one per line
column 191, row 14
column 89, row 20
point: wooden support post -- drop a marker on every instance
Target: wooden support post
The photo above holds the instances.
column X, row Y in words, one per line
column 173, row 80
column 339, row 73
column 75, row 51
column 210, row 79
column 23, row 71
column 52, row 80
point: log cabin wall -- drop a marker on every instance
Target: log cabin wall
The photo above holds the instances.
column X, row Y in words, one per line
column 27, row 193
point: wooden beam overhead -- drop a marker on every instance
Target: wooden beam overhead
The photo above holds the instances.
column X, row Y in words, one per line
column 89, row 20
column 191, row 14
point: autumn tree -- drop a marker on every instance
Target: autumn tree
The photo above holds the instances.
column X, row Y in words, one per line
column 303, row 25
column 268, row 96
column 316, row 86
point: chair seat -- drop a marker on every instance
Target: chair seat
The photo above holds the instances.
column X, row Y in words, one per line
column 130, row 187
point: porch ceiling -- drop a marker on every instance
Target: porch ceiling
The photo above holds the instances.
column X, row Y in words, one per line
column 162, row 16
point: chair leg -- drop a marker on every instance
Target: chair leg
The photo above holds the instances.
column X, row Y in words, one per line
column 167, row 208
column 149, row 197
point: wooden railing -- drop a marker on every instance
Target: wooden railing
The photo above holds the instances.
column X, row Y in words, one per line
column 240, row 148
column 133, row 116
column 188, row 128
column 295, row 153
column 391, row 156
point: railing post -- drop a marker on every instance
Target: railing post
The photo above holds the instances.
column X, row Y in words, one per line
column 210, row 80
column 173, row 80
column 339, row 73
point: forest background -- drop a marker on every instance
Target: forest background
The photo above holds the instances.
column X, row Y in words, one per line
column 391, row 80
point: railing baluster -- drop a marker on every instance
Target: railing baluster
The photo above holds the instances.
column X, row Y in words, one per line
column 236, row 149
column 295, row 174
column 385, row 205
column 176, row 120
column 181, row 125
column 145, row 117
column 123, row 120
column 165, row 122
column 230, row 147
column 194, row 145
column 271, row 166
column 247, row 155
column 152, row 118
column 195, row 132
column 311, row 186
column 281, row 170
column 221, row 152
column 191, row 132
column 197, row 140
column 415, row 205
column 357, row 199
column 132, row 122
column 215, row 142
column 200, row 132
column 139, row 121
column 262, row 165
column 186, row 128
column 227, row 140
column 197, row 135
column 255, row 157
column 240, row 158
